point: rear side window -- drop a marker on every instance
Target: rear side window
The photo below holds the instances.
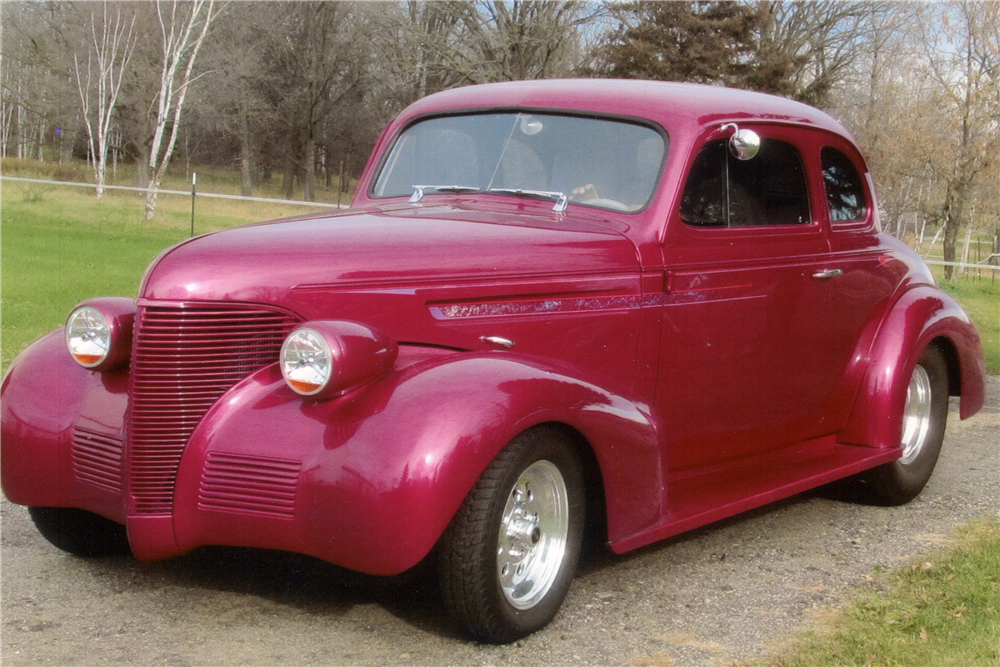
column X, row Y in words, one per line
column 769, row 189
column 845, row 195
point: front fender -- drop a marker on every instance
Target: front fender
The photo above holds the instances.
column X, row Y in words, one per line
column 919, row 317
column 370, row 481
column 61, row 431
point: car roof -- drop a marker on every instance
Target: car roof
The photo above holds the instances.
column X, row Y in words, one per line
column 665, row 103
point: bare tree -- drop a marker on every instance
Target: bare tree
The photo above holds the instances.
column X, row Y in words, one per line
column 37, row 93
column 183, row 29
column 507, row 41
column 813, row 42
column 320, row 63
column 962, row 63
column 109, row 53
column 238, row 54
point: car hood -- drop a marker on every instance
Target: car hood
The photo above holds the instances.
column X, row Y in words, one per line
column 383, row 247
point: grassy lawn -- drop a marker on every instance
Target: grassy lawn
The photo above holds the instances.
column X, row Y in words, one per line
column 60, row 245
column 981, row 299
column 942, row 611
column 210, row 179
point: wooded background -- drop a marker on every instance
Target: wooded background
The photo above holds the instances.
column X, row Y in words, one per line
column 294, row 90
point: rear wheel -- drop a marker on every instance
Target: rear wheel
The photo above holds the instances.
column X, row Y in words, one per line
column 510, row 553
column 924, row 418
column 80, row 532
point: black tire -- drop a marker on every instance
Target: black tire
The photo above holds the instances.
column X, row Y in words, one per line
column 901, row 481
column 79, row 532
column 471, row 574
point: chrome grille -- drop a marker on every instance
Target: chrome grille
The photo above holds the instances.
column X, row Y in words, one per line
column 183, row 360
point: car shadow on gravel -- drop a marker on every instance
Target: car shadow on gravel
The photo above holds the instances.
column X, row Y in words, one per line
column 597, row 557
column 302, row 582
column 317, row 587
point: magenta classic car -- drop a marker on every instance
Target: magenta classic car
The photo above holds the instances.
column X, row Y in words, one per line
column 631, row 308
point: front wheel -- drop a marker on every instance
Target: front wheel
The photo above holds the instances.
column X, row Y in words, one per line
column 79, row 532
column 924, row 417
column 509, row 555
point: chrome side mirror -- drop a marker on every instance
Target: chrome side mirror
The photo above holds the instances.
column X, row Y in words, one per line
column 743, row 144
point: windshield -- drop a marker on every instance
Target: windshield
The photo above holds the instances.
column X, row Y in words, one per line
column 604, row 163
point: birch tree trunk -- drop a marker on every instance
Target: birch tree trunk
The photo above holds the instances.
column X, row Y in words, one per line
column 183, row 32
column 110, row 53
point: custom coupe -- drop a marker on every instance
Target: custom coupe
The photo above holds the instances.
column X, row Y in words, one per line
column 632, row 308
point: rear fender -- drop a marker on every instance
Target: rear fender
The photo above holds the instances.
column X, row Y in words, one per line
column 921, row 316
column 372, row 479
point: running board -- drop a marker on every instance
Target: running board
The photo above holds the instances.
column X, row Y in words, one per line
column 695, row 500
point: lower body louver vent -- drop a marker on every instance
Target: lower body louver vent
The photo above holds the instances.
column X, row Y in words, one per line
column 249, row 484
column 97, row 459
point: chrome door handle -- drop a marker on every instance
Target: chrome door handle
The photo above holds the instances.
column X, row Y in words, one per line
column 828, row 273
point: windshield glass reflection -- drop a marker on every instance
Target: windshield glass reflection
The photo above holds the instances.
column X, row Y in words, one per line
column 608, row 164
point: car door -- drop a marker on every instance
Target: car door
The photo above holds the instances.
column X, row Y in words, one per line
column 744, row 366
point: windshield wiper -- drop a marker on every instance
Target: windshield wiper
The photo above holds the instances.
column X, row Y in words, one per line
column 561, row 200
column 418, row 190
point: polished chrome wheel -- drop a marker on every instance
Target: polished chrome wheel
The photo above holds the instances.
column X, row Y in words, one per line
column 533, row 531
column 507, row 560
column 916, row 414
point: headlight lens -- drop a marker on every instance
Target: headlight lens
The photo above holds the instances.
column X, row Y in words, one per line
column 306, row 361
column 88, row 336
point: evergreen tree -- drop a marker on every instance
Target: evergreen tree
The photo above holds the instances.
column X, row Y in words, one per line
column 704, row 42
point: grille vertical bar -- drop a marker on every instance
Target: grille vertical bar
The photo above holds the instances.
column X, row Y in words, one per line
column 183, row 360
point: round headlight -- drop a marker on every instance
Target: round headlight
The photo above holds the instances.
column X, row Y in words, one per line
column 99, row 333
column 306, row 361
column 88, row 336
column 323, row 359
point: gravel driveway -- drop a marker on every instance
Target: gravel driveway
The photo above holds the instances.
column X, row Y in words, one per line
column 718, row 594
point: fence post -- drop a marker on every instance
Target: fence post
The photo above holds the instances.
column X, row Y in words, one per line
column 340, row 183
column 194, row 184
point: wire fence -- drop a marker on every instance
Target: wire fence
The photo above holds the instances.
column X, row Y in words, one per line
column 193, row 193
column 186, row 193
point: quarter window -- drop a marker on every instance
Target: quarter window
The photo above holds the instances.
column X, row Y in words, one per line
column 845, row 195
column 769, row 189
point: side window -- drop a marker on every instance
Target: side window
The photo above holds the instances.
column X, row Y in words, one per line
column 844, row 193
column 769, row 189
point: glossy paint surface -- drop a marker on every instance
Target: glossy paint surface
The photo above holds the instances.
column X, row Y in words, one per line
column 704, row 371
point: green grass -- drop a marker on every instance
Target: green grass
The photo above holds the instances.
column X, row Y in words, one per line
column 60, row 245
column 210, row 179
column 981, row 300
column 942, row 611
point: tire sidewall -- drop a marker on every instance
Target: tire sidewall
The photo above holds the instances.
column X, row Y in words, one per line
column 898, row 483
column 541, row 446
column 80, row 532
column 914, row 475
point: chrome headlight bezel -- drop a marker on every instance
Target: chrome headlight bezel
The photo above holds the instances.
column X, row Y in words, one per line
column 323, row 359
column 98, row 333
column 306, row 361
column 88, row 336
